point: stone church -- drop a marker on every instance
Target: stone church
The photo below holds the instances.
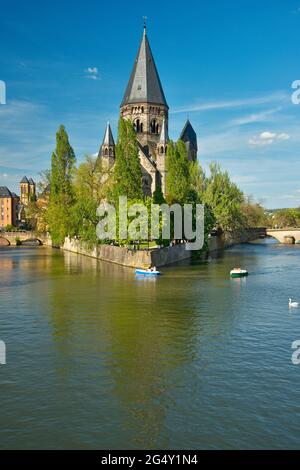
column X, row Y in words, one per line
column 145, row 105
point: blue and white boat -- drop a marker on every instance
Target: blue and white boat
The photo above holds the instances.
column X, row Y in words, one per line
column 147, row 272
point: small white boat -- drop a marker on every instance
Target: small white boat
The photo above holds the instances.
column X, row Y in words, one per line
column 147, row 272
column 238, row 272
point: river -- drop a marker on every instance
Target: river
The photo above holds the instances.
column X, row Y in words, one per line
column 97, row 359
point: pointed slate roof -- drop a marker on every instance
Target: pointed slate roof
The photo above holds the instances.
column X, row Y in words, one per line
column 108, row 136
column 24, row 180
column 5, row 192
column 189, row 135
column 164, row 135
column 144, row 85
column 31, row 181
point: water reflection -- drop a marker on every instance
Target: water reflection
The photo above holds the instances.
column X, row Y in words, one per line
column 101, row 359
column 145, row 338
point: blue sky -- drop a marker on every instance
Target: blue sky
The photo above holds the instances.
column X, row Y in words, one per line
column 228, row 65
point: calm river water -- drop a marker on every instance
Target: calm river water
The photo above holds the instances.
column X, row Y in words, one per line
column 97, row 359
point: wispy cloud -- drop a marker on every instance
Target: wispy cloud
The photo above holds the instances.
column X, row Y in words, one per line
column 238, row 103
column 268, row 138
column 255, row 117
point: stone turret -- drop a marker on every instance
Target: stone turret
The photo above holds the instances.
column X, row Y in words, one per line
column 24, row 191
column 189, row 137
column 161, row 154
column 108, row 147
column 32, row 188
column 144, row 102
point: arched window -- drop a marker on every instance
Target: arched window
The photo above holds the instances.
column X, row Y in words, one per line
column 142, row 109
column 157, row 128
column 161, row 150
column 141, row 127
column 106, row 152
column 111, row 152
column 153, row 126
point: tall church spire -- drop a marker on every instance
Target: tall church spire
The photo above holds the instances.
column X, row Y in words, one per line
column 144, row 85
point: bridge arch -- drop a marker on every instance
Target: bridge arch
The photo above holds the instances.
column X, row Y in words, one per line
column 22, row 238
column 30, row 241
column 4, row 241
column 285, row 236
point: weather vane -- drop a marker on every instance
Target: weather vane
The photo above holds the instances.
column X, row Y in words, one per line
column 145, row 21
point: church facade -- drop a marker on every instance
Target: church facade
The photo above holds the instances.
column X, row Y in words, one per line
column 145, row 105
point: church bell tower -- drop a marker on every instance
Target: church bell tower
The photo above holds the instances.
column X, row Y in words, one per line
column 144, row 102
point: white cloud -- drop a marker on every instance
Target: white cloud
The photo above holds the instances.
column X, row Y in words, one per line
column 268, row 138
column 92, row 70
column 283, row 136
column 92, row 73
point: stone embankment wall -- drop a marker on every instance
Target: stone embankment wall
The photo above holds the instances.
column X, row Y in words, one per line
column 160, row 257
column 234, row 238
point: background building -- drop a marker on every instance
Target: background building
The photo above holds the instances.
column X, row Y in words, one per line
column 8, row 207
column 27, row 190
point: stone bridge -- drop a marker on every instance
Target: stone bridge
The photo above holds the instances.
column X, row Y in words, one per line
column 285, row 235
column 20, row 238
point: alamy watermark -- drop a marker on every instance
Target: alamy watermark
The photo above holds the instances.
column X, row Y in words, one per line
column 296, row 94
column 2, row 92
column 296, row 353
column 2, row 353
column 141, row 222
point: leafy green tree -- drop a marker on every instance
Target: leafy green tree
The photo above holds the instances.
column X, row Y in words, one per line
column 198, row 179
column 158, row 197
column 92, row 179
column 178, row 174
column 61, row 192
column 285, row 218
column 83, row 217
column 127, row 169
column 224, row 198
column 91, row 183
column 254, row 214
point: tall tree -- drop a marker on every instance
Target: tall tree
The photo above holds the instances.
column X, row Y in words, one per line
column 61, row 190
column 91, row 183
column 224, row 198
column 178, row 174
column 127, row 170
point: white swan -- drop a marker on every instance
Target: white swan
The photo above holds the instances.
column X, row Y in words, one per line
column 293, row 304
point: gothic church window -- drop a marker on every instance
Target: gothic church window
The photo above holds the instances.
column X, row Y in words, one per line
column 153, row 127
